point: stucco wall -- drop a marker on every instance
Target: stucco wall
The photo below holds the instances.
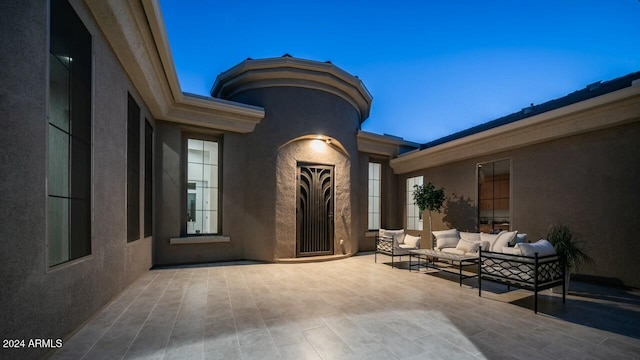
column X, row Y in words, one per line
column 269, row 213
column 38, row 302
column 587, row 181
column 170, row 182
column 286, row 193
column 391, row 199
column 259, row 178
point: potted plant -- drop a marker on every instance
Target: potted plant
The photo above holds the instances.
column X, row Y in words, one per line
column 427, row 197
column 570, row 250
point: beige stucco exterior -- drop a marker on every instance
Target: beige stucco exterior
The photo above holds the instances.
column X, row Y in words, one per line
column 576, row 165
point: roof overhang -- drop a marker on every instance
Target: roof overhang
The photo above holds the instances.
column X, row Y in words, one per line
column 383, row 145
column 612, row 109
column 135, row 30
column 293, row 72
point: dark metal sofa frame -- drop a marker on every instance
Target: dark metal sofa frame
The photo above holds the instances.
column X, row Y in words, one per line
column 531, row 273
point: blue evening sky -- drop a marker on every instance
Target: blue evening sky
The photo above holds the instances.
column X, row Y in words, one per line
column 433, row 67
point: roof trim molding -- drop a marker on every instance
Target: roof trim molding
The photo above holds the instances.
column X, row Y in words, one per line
column 293, row 72
column 384, row 145
column 608, row 110
column 135, row 30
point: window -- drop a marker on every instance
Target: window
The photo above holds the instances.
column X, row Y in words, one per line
column 375, row 171
column 148, row 179
column 133, row 170
column 203, row 187
column 414, row 217
column 494, row 195
column 69, row 132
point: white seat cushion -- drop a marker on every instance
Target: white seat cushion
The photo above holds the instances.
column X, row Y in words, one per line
column 453, row 251
column 511, row 250
column 401, row 250
column 446, row 238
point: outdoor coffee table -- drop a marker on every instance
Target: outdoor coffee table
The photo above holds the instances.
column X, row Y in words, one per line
column 434, row 255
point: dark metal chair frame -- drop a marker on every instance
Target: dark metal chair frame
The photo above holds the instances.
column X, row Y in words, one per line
column 384, row 245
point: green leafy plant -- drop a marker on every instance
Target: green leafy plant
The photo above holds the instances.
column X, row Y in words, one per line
column 569, row 248
column 427, row 197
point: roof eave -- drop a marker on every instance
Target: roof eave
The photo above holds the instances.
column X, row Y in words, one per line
column 136, row 33
column 383, row 145
column 295, row 72
column 608, row 110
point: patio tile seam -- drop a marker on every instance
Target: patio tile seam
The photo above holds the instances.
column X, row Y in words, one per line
column 120, row 315
column 164, row 350
column 150, row 312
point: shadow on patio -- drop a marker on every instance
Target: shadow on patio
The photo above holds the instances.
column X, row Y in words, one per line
column 344, row 309
column 612, row 309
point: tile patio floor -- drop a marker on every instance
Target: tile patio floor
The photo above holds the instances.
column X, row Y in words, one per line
column 351, row 309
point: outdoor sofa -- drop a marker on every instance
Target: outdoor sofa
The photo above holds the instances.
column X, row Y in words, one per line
column 507, row 258
column 533, row 267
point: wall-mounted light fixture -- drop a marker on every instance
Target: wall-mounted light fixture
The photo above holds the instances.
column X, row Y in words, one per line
column 317, row 145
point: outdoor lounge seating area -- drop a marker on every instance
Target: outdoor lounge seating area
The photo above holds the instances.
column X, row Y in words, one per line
column 504, row 258
column 467, row 243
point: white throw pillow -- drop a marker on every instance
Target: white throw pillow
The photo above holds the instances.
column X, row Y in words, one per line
column 503, row 240
column 511, row 250
column 468, row 246
column 446, row 238
column 520, row 238
column 413, row 241
column 469, row 236
column 542, row 247
column 490, row 238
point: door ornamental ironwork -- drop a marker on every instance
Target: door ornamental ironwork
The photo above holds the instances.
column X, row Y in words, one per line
column 314, row 210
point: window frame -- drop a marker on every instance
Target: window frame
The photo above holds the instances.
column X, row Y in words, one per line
column 370, row 196
column 148, row 178
column 82, row 75
column 415, row 209
column 218, row 138
column 509, row 215
column 133, row 163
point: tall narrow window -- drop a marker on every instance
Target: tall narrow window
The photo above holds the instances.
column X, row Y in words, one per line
column 375, row 171
column 69, row 146
column 202, row 187
column 133, row 170
column 414, row 217
column 494, row 195
column 148, row 179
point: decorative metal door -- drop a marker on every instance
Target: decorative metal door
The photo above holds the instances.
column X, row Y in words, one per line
column 315, row 210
